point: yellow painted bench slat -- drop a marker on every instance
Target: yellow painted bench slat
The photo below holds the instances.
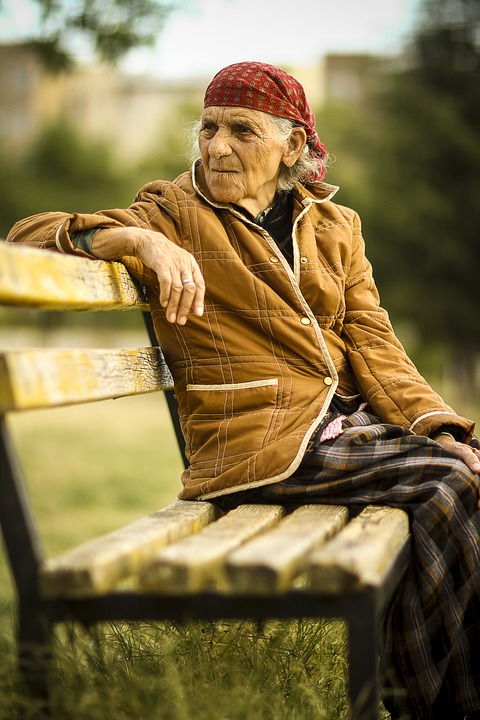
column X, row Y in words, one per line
column 48, row 378
column 362, row 553
column 96, row 566
column 194, row 562
column 34, row 278
column 268, row 563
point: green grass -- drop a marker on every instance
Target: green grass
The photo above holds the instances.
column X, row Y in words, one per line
column 288, row 671
column 91, row 469
column 94, row 467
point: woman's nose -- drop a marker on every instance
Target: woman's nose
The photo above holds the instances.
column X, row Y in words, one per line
column 219, row 145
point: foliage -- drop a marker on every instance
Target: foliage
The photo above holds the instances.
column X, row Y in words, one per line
column 436, row 101
column 63, row 169
column 67, row 170
column 169, row 156
column 110, row 27
column 410, row 163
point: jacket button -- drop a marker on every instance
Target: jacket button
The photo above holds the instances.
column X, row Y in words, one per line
column 327, row 381
column 274, row 259
column 304, row 260
column 305, row 321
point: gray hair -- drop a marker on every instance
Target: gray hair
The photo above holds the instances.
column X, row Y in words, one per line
column 306, row 166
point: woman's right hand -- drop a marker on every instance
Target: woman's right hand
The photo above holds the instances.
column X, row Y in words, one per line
column 182, row 287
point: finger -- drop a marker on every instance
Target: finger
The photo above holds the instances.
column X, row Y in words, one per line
column 469, row 456
column 475, row 464
column 173, row 303
column 182, row 287
column 185, row 295
column 193, row 294
column 186, row 300
column 199, row 299
column 170, row 291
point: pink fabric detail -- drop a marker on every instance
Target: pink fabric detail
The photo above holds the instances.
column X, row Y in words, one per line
column 333, row 429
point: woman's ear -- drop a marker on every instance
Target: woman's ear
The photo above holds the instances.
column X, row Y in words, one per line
column 295, row 144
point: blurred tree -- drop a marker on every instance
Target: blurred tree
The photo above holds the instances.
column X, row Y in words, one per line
column 416, row 180
column 68, row 171
column 111, row 28
column 62, row 170
column 169, row 155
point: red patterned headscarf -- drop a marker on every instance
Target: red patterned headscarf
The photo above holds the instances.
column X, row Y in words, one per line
column 264, row 87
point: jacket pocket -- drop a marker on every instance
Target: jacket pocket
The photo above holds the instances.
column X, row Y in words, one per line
column 227, row 423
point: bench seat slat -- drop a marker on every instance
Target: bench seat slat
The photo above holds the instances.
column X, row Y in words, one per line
column 48, row 378
column 34, row 278
column 362, row 553
column 96, row 566
column 269, row 563
column 190, row 564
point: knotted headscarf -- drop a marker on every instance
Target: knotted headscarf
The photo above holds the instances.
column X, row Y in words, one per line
column 264, row 87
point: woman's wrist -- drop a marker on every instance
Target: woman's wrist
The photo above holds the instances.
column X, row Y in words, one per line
column 452, row 431
column 443, row 433
column 114, row 243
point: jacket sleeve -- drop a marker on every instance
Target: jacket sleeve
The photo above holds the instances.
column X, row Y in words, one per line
column 385, row 375
column 53, row 230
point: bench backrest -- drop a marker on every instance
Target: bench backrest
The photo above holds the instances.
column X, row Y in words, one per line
column 43, row 378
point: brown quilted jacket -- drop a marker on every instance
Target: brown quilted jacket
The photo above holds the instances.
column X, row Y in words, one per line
column 255, row 375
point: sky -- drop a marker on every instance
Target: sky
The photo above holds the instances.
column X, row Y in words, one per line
column 205, row 35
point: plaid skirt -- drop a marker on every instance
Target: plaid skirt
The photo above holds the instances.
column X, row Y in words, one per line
column 430, row 649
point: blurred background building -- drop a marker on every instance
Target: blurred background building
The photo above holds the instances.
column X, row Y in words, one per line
column 127, row 110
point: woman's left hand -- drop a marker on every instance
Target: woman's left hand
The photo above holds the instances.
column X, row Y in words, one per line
column 467, row 453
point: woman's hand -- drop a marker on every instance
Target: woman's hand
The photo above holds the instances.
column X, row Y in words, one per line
column 182, row 287
column 469, row 455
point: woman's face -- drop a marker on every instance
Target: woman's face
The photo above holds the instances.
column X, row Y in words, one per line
column 242, row 155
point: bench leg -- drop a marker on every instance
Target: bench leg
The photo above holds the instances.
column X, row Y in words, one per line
column 362, row 649
column 34, row 658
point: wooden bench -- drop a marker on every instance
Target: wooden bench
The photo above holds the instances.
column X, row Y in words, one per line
column 187, row 561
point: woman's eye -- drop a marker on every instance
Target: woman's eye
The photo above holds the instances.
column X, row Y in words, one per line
column 243, row 130
column 208, row 128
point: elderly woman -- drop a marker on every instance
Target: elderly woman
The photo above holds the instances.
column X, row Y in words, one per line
column 290, row 381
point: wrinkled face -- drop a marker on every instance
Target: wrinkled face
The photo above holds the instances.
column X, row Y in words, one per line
column 241, row 155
